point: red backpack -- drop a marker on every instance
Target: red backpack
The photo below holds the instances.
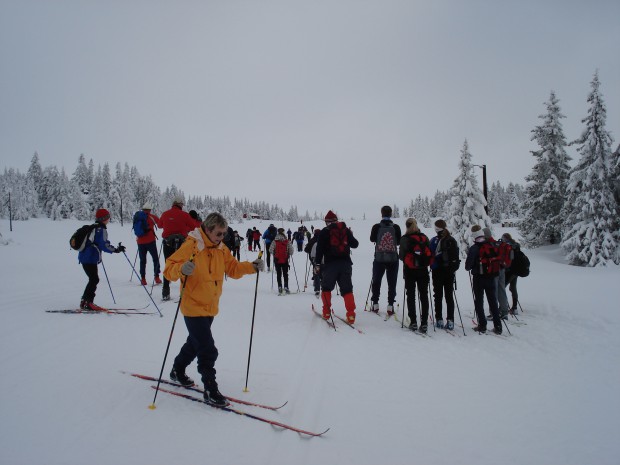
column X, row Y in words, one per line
column 338, row 240
column 280, row 255
column 505, row 253
column 490, row 261
column 420, row 255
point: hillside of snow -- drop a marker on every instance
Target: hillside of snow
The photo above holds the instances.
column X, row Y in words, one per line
column 547, row 394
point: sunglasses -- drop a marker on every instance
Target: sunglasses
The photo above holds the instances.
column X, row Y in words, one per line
column 220, row 234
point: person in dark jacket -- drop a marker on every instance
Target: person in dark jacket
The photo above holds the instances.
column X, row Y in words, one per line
column 386, row 259
column 175, row 224
column 445, row 263
column 298, row 236
column 196, row 217
column 310, row 249
column 415, row 272
column 268, row 236
column 236, row 251
column 482, row 284
column 511, row 277
column 90, row 257
column 333, row 261
column 249, row 235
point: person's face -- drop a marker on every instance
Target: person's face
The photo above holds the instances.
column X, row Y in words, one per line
column 216, row 235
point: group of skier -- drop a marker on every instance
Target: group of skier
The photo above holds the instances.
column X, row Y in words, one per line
column 207, row 251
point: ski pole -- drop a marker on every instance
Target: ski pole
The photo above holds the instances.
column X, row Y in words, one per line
column 106, row 278
column 176, row 314
column 431, row 303
column 419, row 311
column 247, row 373
column 505, row 324
column 134, row 265
column 144, row 287
column 458, row 308
column 295, row 272
column 402, row 322
column 366, row 309
column 306, row 274
column 473, row 296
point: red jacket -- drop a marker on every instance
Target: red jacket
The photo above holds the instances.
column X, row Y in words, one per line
column 175, row 221
column 150, row 236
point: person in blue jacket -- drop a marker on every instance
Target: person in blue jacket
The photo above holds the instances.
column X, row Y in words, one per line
column 268, row 236
column 90, row 257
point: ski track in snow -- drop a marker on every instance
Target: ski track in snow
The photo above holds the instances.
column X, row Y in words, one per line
column 546, row 394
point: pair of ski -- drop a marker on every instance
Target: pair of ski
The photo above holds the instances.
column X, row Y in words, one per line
column 490, row 332
column 107, row 311
column 228, row 408
column 386, row 317
column 331, row 324
column 404, row 326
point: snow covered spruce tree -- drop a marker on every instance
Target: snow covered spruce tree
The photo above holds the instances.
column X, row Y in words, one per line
column 546, row 188
column 466, row 203
column 35, row 174
column 590, row 234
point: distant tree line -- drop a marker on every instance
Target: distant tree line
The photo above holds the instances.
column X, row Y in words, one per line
column 50, row 192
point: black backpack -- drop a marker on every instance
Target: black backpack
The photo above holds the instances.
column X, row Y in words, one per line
column 520, row 263
column 80, row 237
column 229, row 238
column 450, row 254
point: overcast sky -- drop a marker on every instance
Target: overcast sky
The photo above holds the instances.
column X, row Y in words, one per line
column 323, row 104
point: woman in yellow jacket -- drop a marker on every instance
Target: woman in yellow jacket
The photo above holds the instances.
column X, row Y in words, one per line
column 202, row 261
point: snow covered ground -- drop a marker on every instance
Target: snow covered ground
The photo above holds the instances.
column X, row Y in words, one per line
column 548, row 394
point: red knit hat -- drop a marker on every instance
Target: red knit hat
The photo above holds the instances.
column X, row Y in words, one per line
column 330, row 217
column 102, row 215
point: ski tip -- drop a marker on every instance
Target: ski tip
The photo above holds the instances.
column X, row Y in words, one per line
column 314, row 435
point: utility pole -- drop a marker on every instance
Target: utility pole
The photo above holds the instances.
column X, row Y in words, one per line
column 485, row 190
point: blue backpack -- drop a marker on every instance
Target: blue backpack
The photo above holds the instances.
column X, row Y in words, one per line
column 140, row 223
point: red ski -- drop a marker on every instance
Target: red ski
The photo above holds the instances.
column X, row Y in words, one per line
column 245, row 414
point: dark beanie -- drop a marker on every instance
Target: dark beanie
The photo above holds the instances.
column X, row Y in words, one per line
column 330, row 217
column 441, row 224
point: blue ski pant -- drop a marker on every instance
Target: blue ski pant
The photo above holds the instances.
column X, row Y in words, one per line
column 199, row 344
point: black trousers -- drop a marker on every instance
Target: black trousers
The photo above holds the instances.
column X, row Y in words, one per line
column 170, row 246
column 419, row 279
column 200, row 344
column 443, row 286
column 92, row 271
column 282, row 271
